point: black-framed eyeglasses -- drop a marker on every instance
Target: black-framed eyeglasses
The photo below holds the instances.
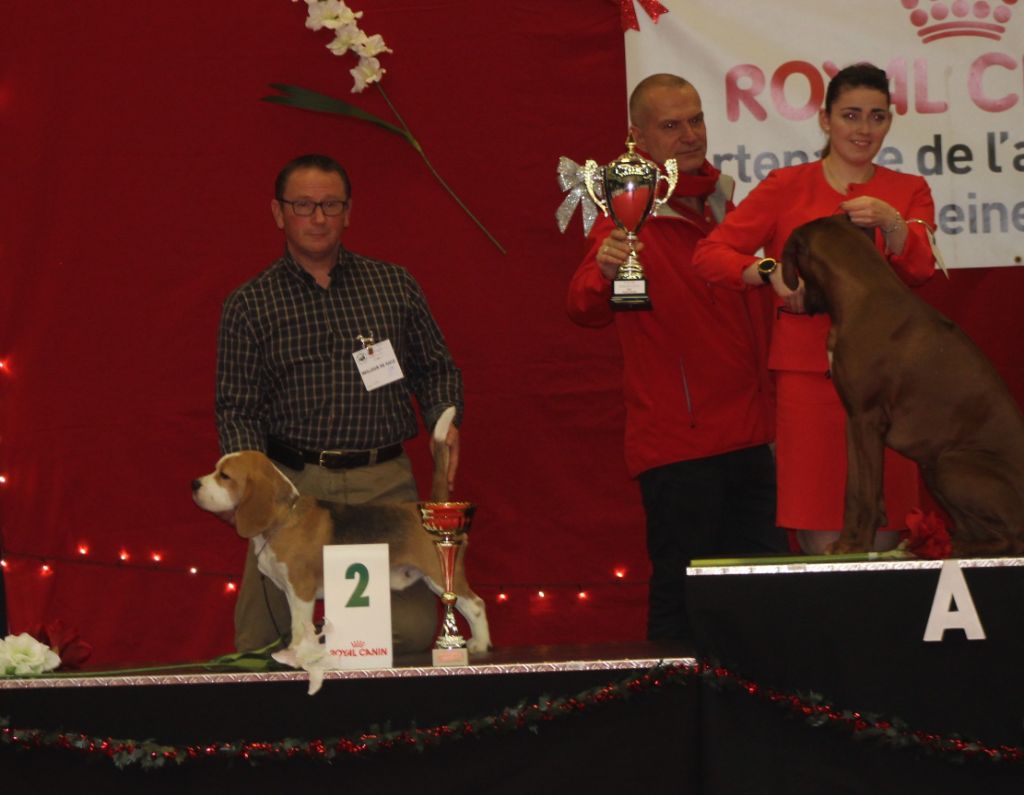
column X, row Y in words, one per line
column 307, row 207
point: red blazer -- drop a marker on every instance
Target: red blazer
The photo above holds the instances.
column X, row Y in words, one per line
column 788, row 198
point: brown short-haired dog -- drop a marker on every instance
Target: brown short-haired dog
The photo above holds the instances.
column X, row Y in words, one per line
column 290, row 531
column 909, row 378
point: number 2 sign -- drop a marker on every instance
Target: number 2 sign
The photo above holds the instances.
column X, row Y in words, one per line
column 357, row 606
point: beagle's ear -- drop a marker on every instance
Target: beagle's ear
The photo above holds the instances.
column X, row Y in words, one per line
column 266, row 495
column 255, row 511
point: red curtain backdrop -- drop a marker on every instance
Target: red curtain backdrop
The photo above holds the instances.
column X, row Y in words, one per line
column 137, row 167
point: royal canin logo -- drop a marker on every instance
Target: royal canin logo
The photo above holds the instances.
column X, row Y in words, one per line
column 939, row 19
column 358, row 644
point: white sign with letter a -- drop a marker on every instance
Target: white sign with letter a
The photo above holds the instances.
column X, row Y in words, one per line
column 952, row 590
column 357, row 606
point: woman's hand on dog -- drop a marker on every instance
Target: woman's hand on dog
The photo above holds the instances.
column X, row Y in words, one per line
column 792, row 299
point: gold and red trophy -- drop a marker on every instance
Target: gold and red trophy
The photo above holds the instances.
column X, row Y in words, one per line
column 448, row 522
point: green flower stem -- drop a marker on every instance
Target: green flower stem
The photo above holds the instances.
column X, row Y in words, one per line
column 297, row 97
column 416, row 145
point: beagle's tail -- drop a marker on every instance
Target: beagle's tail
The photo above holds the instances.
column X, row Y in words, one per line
column 439, row 486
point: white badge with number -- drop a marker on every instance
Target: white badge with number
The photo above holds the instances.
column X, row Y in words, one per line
column 357, row 606
column 378, row 364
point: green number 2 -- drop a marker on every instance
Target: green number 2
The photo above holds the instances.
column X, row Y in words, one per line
column 357, row 571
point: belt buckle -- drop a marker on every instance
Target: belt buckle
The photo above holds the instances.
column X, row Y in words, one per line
column 326, row 455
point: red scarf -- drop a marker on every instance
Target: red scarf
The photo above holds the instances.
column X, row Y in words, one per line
column 701, row 184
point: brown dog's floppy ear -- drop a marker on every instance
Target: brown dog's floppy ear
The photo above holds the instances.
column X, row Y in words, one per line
column 790, row 275
column 267, row 492
column 792, row 253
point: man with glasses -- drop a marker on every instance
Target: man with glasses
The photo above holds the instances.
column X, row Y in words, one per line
column 317, row 359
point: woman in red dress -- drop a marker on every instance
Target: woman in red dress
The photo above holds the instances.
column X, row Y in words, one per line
column 811, row 440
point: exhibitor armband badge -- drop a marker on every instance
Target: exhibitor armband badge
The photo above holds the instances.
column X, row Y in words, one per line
column 377, row 363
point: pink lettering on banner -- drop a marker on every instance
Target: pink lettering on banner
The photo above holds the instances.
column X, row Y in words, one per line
column 745, row 83
column 736, row 95
column 975, row 82
column 815, row 84
column 921, row 102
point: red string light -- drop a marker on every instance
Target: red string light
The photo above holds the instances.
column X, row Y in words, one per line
column 123, row 555
column 83, row 550
column 620, row 573
column 45, row 570
column 230, row 587
column 157, row 557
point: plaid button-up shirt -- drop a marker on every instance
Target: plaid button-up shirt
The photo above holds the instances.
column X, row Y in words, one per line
column 285, row 366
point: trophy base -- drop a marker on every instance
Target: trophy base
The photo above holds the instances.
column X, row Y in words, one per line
column 445, row 658
column 629, row 293
column 622, row 303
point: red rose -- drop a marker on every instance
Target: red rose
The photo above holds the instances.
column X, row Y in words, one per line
column 926, row 535
column 64, row 640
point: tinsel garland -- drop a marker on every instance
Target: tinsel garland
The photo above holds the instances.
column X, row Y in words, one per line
column 892, row 732
column 811, row 707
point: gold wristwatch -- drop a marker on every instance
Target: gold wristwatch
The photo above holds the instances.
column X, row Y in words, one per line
column 766, row 267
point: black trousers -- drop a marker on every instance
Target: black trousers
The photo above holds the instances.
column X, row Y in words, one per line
column 723, row 505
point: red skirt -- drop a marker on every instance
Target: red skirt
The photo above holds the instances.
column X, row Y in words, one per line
column 810, row 457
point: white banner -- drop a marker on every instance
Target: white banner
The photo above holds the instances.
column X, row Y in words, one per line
column 956, row 75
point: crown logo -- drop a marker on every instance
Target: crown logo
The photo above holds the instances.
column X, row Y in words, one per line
column 943, row 19
column 358, row 644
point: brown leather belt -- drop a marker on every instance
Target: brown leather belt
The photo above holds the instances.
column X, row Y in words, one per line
column 297, row 458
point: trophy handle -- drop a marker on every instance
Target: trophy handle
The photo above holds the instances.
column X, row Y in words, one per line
column 591, row 170
column 671, row 177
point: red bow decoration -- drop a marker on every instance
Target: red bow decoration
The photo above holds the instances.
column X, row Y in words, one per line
column 64, row 640
column 653, row 8
column 926, row 535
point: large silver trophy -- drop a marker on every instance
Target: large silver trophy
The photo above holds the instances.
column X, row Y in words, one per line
column 448, row 522
column 630, row 185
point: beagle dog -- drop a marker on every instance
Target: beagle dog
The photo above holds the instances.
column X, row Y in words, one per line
column 289, row 531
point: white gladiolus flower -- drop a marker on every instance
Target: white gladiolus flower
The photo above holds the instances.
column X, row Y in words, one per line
column 370, row 46
column 368, row 71
column 330, row 14
column 22, row 654
column 346, row 38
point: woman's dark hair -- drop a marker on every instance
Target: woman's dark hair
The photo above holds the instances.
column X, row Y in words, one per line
column 858, row 75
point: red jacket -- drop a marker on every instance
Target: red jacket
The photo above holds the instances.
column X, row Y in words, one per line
column 696, row 381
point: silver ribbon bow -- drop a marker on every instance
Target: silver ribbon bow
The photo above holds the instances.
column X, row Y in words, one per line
column 570, row 178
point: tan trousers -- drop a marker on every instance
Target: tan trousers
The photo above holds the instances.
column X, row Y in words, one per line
column 261, row 612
